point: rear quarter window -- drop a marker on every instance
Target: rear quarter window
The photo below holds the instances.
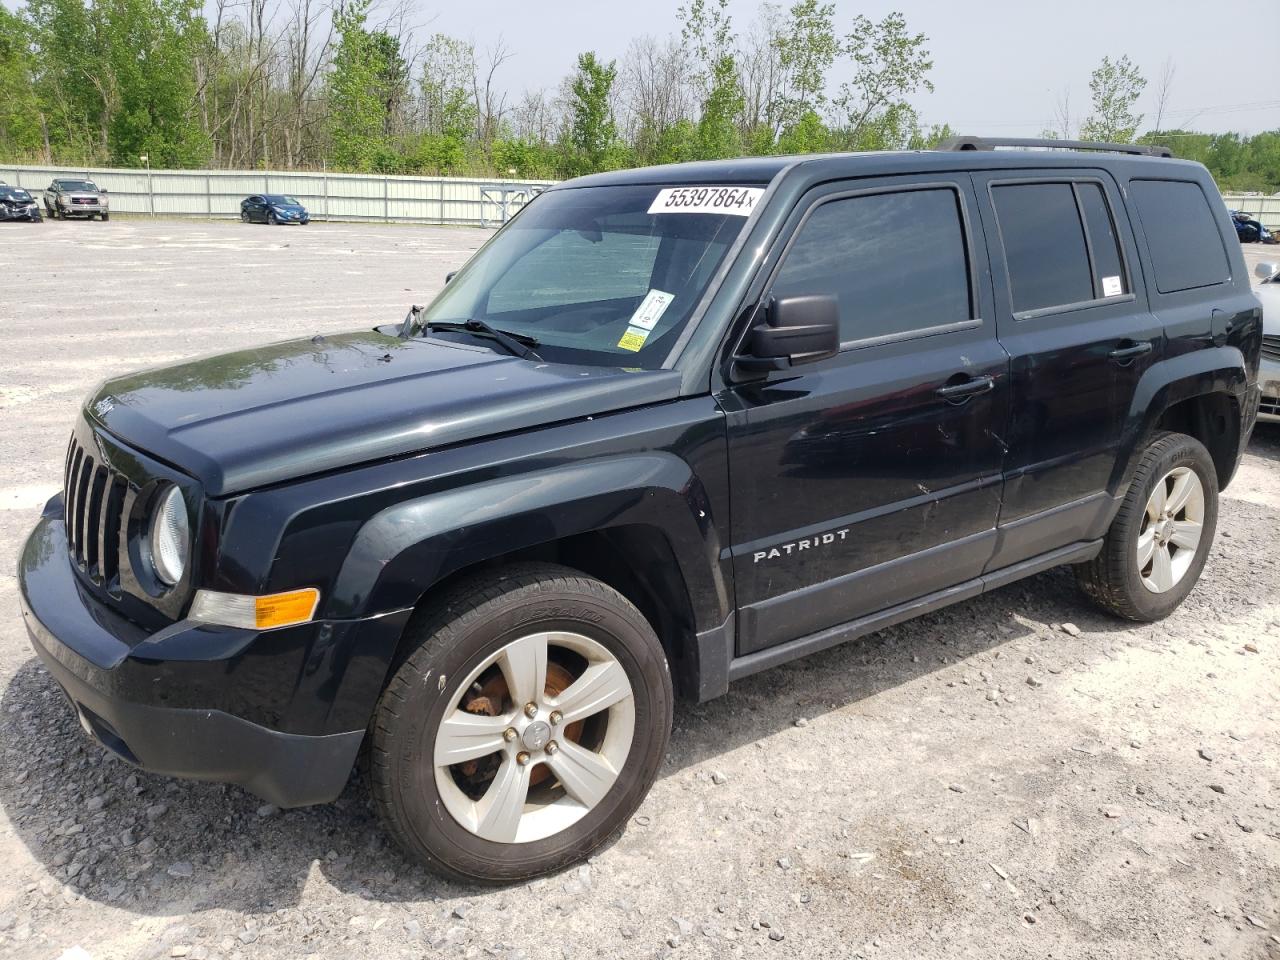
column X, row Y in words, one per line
column 1182, row 234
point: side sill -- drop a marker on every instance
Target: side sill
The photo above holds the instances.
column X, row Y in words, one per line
column 803, row 646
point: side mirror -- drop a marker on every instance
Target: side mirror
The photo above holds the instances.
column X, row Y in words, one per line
column 1266, row 270
column 102, row 189
column 796, row 330
column 450, row 275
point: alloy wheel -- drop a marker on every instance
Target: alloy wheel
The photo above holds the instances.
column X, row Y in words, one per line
column 535, row 737
column 1171, row 529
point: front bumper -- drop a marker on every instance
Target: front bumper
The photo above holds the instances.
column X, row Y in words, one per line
column 1269, row 386
column 122, row 683
column 28, row 214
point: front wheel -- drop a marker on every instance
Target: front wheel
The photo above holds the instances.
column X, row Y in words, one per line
column 525, row 727
column 105, row 216
column 1158, row 543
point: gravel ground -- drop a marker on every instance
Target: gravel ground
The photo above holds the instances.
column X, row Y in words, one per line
column 1016, row 776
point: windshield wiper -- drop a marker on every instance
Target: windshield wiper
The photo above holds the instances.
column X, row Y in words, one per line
column 517, row 344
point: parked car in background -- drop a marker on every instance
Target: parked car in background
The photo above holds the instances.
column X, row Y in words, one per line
column 273, row 208
column 1249, row 230
column 17, row 204
column 1269, row 368
column 75, row 198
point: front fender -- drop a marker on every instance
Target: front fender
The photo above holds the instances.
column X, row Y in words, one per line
column 1217, row 370
column 400, row 552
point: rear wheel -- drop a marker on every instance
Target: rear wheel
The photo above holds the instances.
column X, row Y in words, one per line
column 525, row 727
column 1158, row 543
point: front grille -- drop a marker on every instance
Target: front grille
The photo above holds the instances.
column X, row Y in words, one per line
column 1271, row 348
column 84, row 199
column 1270, row 405
column 93, row 497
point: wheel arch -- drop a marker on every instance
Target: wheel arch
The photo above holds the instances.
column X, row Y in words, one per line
column 641, row 524
column 1201, row 394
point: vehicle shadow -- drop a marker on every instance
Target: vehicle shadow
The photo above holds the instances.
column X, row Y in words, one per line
column 158, row 846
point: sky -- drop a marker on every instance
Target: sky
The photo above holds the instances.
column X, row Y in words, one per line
column 999, row 65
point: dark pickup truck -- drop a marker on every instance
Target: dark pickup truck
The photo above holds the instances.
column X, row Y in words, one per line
column 668, row 428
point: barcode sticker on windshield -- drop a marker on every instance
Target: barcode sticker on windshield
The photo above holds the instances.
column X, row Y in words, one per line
column 633, row 339
column 738, row 201
column 651, row 309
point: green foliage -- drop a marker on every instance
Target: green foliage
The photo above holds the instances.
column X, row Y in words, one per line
column 806, row 50
column 368, row 80
column 20, row 113
column 889, row 64
column 808, row 134
column 593, row 135
column 717, row 134
column 1115, row 87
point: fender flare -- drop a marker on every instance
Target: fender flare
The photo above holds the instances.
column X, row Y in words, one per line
column 402, row 551
column 1218, row 370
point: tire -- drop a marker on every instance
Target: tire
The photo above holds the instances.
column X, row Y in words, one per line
column 1114, row 579
column 106, row 217
column 273, row 219
column 433, row 811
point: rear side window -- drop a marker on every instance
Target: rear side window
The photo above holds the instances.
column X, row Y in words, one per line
column 897, row 263
column 1060, row 244
column 1182, row 234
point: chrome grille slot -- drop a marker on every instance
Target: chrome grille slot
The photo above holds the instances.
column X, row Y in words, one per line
column 1271, row 348
column 94, row 498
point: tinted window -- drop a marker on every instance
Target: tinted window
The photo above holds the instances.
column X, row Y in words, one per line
column 1108, row 267
column 1043, row 245
column 896, row 262
column 1186, row 247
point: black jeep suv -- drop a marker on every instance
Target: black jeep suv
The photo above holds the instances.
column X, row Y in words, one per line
column 668, row 428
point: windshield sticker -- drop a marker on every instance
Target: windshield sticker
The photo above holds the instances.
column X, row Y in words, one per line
column 1111, row 287
column 651, row 309
column 737, row 201
column 633, row 339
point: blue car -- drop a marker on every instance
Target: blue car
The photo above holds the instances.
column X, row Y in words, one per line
column 1249, row 230
column 274, row 208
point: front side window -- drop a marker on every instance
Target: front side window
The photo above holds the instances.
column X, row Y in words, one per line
column 896, row 262
column 600, row 275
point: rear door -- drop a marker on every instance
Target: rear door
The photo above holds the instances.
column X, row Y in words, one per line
column 872, row 478
column 1073, row 315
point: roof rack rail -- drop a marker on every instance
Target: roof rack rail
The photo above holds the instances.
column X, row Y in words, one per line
column 989, row 143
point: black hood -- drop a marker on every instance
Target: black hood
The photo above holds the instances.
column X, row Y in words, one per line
column 240, row 420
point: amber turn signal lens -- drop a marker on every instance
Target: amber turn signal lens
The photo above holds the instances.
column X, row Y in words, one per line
column 282, row 609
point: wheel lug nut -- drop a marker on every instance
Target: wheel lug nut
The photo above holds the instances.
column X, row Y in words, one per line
column 509, row 734
column 556, row 717
column 551, row 747
column 530, row 710
column 522, row 758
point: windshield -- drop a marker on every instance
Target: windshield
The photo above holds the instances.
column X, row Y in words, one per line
column 86, row 185
column 600, row 275
column 14, row 193
column 282, row 201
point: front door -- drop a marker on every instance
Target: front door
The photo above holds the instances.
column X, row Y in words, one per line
column 872, row 478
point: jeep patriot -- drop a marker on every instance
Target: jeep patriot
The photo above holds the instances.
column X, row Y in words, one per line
column 667, row 428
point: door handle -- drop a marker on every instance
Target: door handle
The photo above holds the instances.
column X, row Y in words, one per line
column 1127, row 353
column 960, row 392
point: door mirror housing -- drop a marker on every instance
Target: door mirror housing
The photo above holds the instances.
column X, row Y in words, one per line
column 1265, row 271
column 796, row 330
column 449, row 276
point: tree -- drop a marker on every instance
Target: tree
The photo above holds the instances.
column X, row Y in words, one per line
column 1115, row 87
column 21, row 114
column 592, row 134
column 364, row 87
column 889, row 65
column 806, row 48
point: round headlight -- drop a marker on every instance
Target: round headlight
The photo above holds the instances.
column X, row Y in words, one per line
column 170, row 537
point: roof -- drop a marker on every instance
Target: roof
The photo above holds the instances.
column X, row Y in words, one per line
column 748, row 170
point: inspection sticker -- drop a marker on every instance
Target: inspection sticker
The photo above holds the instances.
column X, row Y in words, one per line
column 651, row 309
column 633, row 339
column 1112, row 287
column 738, row 201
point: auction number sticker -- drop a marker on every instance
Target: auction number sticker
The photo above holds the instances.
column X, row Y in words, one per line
column 737, row 201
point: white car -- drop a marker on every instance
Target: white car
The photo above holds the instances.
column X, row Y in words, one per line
column 1269, row 371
